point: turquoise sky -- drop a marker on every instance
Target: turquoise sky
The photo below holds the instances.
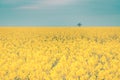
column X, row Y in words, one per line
column 59, row 12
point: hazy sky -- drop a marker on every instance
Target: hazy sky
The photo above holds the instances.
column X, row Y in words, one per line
column 60, row 12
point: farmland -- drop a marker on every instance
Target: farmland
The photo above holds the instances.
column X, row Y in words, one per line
column 60, row 53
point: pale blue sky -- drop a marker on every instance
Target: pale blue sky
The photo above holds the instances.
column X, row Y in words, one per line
column 59, row 12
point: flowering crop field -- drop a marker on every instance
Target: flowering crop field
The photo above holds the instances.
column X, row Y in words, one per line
column 60, row 53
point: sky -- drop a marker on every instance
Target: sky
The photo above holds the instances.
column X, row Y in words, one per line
column 59, row 12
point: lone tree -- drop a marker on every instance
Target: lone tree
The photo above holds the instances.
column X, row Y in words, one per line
column 79, row 24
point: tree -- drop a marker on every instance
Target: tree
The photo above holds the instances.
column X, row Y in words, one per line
column 79, row 24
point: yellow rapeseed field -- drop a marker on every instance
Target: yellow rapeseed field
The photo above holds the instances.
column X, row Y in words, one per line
column 70, row 53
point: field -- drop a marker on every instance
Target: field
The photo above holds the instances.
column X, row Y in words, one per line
column 60, row 53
